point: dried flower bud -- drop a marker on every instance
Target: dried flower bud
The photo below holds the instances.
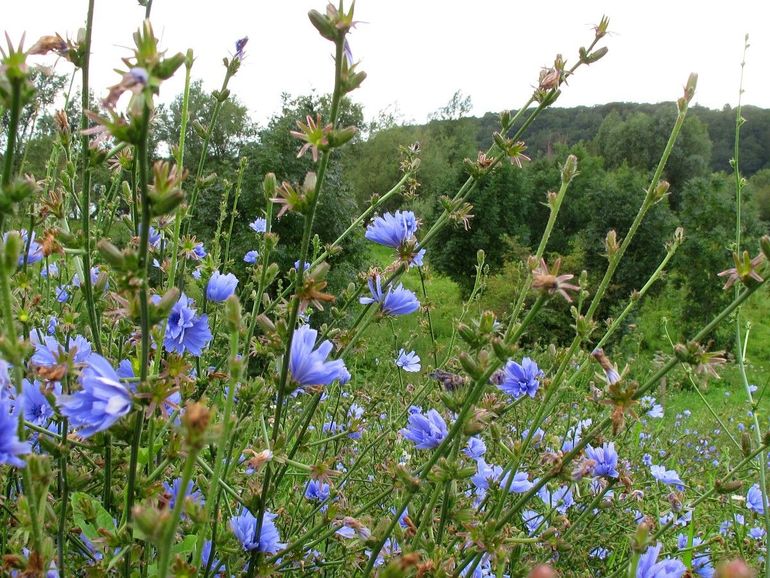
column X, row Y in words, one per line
column 724, row 487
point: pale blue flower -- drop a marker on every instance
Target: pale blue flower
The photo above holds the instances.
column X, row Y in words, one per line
column 185, row 330
column 426, row 431
column 519, row 380
column 102, row 401
column 259, row 225
column 669, row 477
column 409, row 362
column 754, row 500
column 220, row 287
column 649, row 567
column 251, row 257
column 606, row 459
column 308, row 365
column 244, row 526
column 10, row 446
column 392, row 229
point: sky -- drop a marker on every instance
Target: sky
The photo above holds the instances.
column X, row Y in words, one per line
column 417, row 53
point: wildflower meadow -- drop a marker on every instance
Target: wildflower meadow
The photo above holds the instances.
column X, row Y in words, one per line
column 232, row 364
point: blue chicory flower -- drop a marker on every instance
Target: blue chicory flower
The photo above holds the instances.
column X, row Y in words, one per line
column 532, row 520
column 317, row 491
column 392, row 229
column 220, row 287
column 102, row 401
column 308, row 366
column 244, row 526
column 251, row 257
column 409, row 362
column 174, row 489
column 397, row 301
column 606, row 459
column 669, row 477
column 476, row 448
column 186, row 331
column 649, row 567
column 35, row 253
column 519, row 380
column 240, row 46
column 259, row 225
column 61, row 294
column 754, row 500
column 35, row 405
column 426, row 431
column 10, row 446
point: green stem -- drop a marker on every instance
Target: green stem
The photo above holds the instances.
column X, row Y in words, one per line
column 167, row 543
column 298, row 277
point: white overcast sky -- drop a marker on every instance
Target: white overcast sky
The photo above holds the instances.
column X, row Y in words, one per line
column 417, row 53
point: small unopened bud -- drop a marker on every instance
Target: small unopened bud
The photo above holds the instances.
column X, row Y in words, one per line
column 597, row 54
column 151, row 522
column 233, row 313
column 487, row 322
column 308, row 185
column 168, row 66
column 470, row 365
column 12, row 250
column 764, row 243
column 264, row 323
column 467, row 334
column 324, row 25
column 735, row 569
column 268, row 186
column 505, row 119
column 478, row 422
column 101, row 282
column 341, row 136
column 611, row 243
column 660, row 191
column 164, row 203
column 542, row 571
column 195, row 421
column 601, row 28
column 160, row 309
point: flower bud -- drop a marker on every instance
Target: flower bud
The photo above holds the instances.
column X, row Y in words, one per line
column 323, row 24
column 340, row 136
column 611, row 243
column 161, row 309
column 233, row 313
column 725, row 487
column 11, row 250
column 746, row 444
column 735, row 569
column 542, row 571
column 764, row 243
column 162, row 204
column 469, row 365
column 111, row 254
column 168, row 66
column 150, row 523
